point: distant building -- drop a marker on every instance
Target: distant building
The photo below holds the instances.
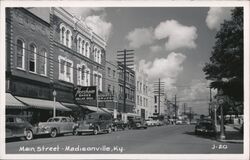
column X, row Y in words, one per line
column 142, row 94
column 129, row 109
column 151, row 106
column 111, row 88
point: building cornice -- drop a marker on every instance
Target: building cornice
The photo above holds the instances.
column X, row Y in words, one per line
column 76, row 24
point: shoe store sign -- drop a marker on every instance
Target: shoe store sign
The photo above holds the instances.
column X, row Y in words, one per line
column 85, row 93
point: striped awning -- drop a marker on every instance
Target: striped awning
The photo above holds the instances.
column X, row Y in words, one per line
column 92, row 108
column 12, row 102
column 132, row 115
column 107, row 110
column 70, row 105
column 42, row 104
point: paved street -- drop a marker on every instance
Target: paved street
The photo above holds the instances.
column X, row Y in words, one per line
column 162, row 140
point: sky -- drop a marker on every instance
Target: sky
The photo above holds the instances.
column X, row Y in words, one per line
column 170, row 43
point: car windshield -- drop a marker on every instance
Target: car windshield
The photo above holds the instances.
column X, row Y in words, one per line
column 19, row 120
column 54, row 120
column 205, row 124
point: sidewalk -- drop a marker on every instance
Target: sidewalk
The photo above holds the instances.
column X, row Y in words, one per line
column 232, row 133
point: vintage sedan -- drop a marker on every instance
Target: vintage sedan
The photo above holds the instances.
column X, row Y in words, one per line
column 56, row 125
column 205, row 128
column 118, row 125
column 17, row 126
column 94, row 123
column 137, row 123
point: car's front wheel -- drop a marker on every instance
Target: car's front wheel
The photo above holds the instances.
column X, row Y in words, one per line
column 95, row 131
column 75, row 132
column 53, row 133
column 29, row 134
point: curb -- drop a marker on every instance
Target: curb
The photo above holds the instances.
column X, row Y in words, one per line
column 230, row 141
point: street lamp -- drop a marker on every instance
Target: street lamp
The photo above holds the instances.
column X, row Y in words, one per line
column 54, row 103
column 222, row 131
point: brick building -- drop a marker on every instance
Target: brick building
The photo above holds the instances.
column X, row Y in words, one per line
column 129, row 109
column 79, row 55
column 48, row 49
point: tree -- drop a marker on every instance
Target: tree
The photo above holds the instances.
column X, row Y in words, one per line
column 225, row 68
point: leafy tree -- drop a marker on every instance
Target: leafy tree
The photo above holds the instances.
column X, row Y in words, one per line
column 225, row 68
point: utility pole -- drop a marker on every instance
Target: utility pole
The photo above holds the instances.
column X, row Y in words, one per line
column 125, row 59
column 175, row 107
column 184, row 108
column 210, row 108
column 159, row 91
column 190, row 114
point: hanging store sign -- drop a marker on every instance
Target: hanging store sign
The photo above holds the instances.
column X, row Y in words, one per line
column 105, row 98
column 85, row 93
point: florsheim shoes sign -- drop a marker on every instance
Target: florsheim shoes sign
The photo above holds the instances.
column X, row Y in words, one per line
column 85, row 95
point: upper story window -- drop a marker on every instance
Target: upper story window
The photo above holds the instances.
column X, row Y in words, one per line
column 109, row 71
column 83, row 48
column 32, row 58
column 83, row 75
column 43, row 62
column 79, row 45
column 65, row 69
column 97, row 80
column 20, row 54
column 87, row 49
column 113, row 73
column 97, row 55
column 65, row 36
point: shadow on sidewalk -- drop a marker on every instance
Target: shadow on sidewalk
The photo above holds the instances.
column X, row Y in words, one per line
column 211, row 137
column 233, row 135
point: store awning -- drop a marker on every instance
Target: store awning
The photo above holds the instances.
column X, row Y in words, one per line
column 12, row 102
column 92, row 108
column 42, row 104
column 70, row 105
column 107, row 110
column 132, row 115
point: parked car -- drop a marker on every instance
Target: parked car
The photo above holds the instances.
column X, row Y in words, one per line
column 159, row 123
column 205, row 128
column 185, row 122
column 17, row 126
column 118, row 125
column 94, row 123
column 56, row 125
column 178, row 122
column 150, row 122
column 137, row 123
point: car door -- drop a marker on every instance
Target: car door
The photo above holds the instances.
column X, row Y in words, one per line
column 100, row 122
column 64, row 125
column 19, row 126
column 69, row 125
column 10, row 129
